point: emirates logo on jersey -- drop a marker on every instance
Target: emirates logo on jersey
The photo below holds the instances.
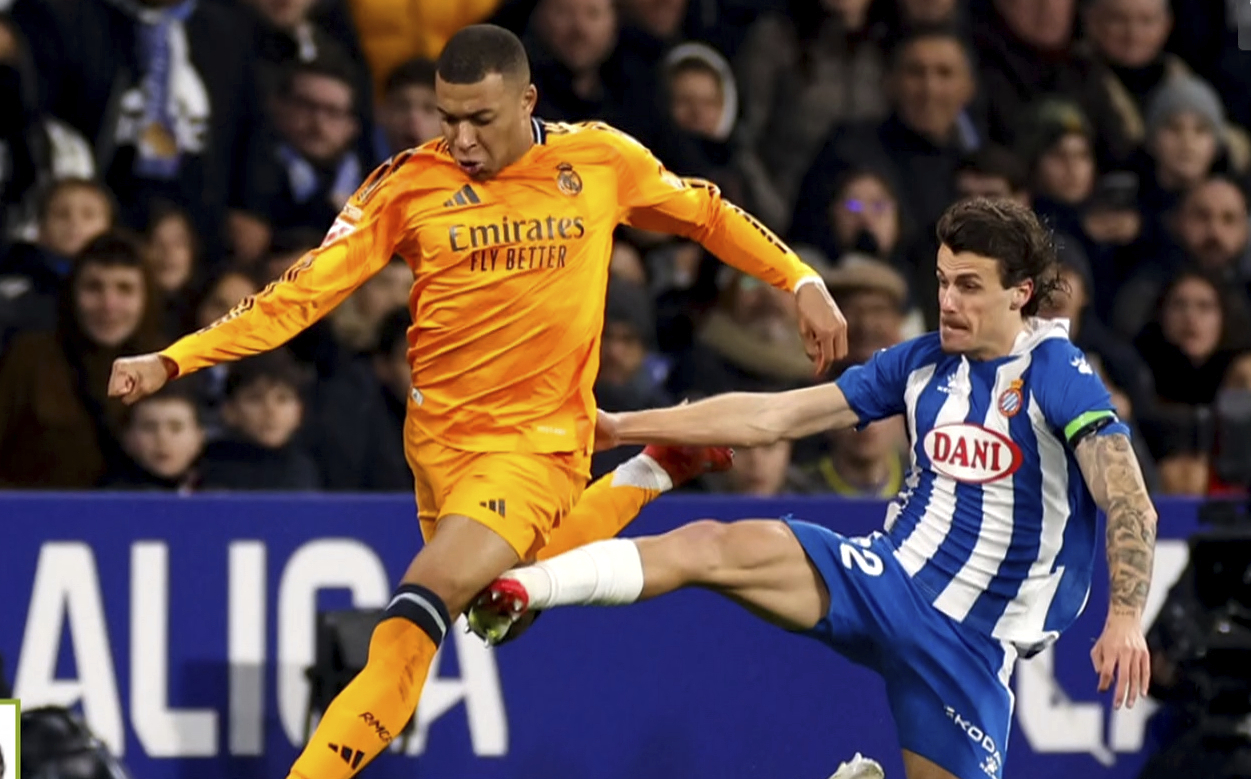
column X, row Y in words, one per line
column 971, row 454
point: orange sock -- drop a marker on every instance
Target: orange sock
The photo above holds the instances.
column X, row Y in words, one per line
column 374, row 708
column 603, row 511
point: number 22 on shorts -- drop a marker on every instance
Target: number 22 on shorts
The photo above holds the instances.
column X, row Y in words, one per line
column 855, row 552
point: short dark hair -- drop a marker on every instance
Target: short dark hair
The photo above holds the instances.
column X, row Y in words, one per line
column 276, row 367
column 324, row 66
column 922, row 32
column 996, row 161
column 416, row 72
column 1010, row 233
column 179, row 391
column 479, row 50
column 116, row 248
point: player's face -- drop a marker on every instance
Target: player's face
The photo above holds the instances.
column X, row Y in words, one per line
column 486, row 124
column 978, row 317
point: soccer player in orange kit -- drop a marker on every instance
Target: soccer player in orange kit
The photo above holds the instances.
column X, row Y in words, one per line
column 507, row 223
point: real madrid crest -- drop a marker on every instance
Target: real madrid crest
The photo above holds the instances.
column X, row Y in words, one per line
column 567, row 179
column 1011, row 401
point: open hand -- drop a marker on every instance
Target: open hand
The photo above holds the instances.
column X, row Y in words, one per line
column 1121, row 654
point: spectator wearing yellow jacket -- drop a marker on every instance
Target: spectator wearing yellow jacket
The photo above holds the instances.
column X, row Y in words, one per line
column 394, row 31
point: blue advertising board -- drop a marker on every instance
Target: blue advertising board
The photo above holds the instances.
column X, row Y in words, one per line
column 182, row 627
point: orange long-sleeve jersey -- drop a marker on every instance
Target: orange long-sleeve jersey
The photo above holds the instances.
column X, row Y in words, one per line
column 510, row 278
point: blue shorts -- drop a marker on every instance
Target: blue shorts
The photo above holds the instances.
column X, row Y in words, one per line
column 948, row 685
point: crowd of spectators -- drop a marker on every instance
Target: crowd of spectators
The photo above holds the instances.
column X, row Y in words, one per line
column 162, row 159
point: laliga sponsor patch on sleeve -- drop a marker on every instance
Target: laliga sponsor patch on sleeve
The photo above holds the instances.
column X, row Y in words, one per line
column 344, row 224
column 10, row 739
column 971, row 453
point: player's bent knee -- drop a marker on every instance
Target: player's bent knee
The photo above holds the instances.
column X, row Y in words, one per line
column 727, row 554
column 699, row 550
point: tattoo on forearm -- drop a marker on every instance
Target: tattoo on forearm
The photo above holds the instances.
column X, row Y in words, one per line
column 1115, row 480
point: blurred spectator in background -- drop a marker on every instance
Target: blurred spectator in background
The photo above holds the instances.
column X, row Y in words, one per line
column 1125, row 41
column 58, row 429
column 356, row 321
column 759, row 471
column 1189, row 348
column 630, row 377
column 868, row 463
column 394, row 31
column 409, row 114
column 916, row 149
column 873, row 297
column 288, row 34
column 315, row 114
column 1025, row 52
column 221, row 293
column 584, row 70
column 748, row 342
column 1210, row 231
column 703, row 103
column 992, row 171
column 865, row 218
column 819, row 65
column 163, row 438
column 183, row 122
column 355, row 426
column 1058, row 151
column 38, row 149
column 262, row 411
column 1190, row 344
column 172, row 252
column 69, row 215
column 1187, row 139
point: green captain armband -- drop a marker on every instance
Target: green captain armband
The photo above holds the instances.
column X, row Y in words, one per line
column 1088, row 424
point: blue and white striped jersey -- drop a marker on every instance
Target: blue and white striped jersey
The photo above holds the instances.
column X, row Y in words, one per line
column 995, row 523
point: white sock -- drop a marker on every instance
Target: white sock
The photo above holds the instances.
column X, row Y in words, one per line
column 604, row 573
column 642, row 471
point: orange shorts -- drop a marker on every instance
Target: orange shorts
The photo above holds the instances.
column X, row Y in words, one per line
column 521, row 496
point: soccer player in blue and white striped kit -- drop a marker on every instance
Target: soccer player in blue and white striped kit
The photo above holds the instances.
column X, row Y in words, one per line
column 986, row 554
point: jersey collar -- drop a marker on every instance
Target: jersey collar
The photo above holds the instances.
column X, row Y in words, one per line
column 538, row 131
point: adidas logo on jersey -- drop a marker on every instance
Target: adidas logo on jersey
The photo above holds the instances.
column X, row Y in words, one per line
column 493, row 505
column 348, row 755
column 971, row 454
column 464, row 197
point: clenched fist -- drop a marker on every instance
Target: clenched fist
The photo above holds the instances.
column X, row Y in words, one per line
column 135, row 378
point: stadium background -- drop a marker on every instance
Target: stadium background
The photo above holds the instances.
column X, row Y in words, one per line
column 201, row 146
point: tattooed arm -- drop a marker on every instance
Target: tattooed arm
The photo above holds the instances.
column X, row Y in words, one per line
column 1111, row 472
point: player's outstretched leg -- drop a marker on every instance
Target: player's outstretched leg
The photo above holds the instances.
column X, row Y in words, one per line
column 758, row 563
column 460, row 559
column 613, row 501
column 605, row 509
